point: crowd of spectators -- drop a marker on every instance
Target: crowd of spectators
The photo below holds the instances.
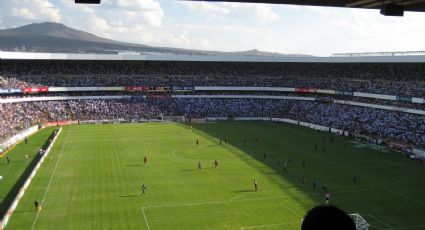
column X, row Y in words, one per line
column 405, row 79
column 402, row 79
column 403, row 127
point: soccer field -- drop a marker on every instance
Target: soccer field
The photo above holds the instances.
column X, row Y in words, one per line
column 92, row 179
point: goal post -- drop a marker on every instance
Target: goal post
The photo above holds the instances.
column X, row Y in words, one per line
column 360, row 222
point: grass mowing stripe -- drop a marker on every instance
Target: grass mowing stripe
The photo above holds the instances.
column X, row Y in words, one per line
column 50, row 180
column 97, row 182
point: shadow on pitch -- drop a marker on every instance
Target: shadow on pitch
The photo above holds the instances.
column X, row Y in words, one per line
column 127, row 196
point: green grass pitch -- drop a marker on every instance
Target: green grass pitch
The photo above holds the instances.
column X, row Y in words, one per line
column 93, row 179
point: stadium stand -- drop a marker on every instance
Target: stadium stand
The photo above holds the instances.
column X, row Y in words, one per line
column 139, row 81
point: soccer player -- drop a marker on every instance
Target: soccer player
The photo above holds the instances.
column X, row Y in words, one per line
column 244, row 140
column 325, row 188
column 264, row 155
column 225, row 139
column 327, row 197
column 220, row 141
column 197, row 142
column 355, row 178
column 143, row 188
column 215, row 163
column 191, row 128
column 303, row 180
column 315, row 147
column 8, row 160
column 304, row 164
column 145, row 159
column 314, row 183
column 37, row 205
column 199, row 165
column 284, row 166
column 26, row 140
column 255, row 185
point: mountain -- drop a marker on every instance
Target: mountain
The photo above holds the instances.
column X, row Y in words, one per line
column 58, row 38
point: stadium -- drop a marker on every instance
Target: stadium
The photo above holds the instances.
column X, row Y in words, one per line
column 103, row 134
column 353, row 124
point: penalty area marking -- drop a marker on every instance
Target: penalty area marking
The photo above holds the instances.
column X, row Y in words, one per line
column 51, row 178
column 406, row 197
column 269, row 225
column 235, row 200
column 146, row 219
column 380, row 221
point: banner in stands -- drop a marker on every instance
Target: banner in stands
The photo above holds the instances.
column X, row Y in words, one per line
column 397, row 145
column 2, row 148
column 418, row 100
column 243, row 88
column 136, row 88
column 64, row 98
column 404, row 98
column 138, row 97
column 159, row 89
column 35, row 90
column 325, row 91
column 247, row 96
column 183, row 88
column 418, row 153
column 347, row 93
column 385, row 107
column 305, row 90
column 10, row 91
column 377, row 96
column 84, row 89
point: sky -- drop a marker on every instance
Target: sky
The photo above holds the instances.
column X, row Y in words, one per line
column 228, row 26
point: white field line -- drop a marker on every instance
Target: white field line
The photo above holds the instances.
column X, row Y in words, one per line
column 50, row 180
column 146, row 219
column 411, row 227
column 310, row 193
column 380, row 221
column 239, row 200
column 269, row 225
column 407, row 197
column 248, row 199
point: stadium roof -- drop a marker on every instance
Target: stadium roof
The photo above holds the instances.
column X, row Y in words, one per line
column 409, row 5
column 210, row 58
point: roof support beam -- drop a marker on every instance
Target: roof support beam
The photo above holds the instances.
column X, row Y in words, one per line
column 357, row 3
column 380, row 3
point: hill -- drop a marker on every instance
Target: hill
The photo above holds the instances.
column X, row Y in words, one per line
column 58, row 38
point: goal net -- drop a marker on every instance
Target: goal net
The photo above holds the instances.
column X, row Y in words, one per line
column 360, row 222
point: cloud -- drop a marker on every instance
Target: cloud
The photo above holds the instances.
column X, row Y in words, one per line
column 261, row 13
column 23, row 13
column 149, row 10
column 206, row 8
column 264, row 14
column 28, row 11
